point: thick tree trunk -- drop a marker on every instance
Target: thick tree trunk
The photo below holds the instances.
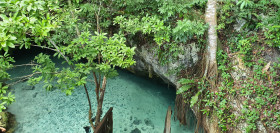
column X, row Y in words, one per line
column 210, row 56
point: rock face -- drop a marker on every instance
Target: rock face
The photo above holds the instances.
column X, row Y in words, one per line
column 147, row 62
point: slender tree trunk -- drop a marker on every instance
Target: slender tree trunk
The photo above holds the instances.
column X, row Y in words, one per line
column 100, row 101
column 90, row 110
column 85, row 87
column 100, row 91
column 211, row 62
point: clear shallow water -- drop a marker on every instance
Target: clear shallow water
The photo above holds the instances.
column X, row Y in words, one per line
column 137, row 103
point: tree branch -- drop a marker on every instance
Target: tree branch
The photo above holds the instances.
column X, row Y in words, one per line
column 59, row 51
column 25, row 65
column 40, row 47
column 23, row 78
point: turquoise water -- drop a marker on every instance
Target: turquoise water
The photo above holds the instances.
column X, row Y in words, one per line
column 139, row 104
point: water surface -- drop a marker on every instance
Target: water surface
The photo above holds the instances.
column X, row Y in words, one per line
column 138, row 104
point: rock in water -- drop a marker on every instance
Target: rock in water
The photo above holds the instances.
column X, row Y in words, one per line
column 87, row 129
column 137, row 122
column 28, row 87
column 148, row 122
column 136, row 130
column 93, row 119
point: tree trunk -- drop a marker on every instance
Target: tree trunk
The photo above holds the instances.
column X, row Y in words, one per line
column 90, row 110
column 100, row 101
column 210, row 56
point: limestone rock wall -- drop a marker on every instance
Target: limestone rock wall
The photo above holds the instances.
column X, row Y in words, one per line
column 147, row 62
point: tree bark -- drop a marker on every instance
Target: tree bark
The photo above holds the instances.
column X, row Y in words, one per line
column 100, row 101
column 210, row 56
column 90, row 110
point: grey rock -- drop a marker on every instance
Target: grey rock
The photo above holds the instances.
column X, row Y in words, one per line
column 146, row 60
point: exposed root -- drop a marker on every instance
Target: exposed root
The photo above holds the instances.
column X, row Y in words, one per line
column 180, row 109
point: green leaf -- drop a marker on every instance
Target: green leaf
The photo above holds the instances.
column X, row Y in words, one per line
column 49, row 87
column 68, row 92
column 194, row 99
column 185, row 81
column 13, row 38
column 3, row 44
column 11, row 45
column 184, row 88
column 29, row 8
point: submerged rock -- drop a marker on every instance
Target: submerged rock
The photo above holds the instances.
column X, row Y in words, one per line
column 137, row 122
column 28, row 87
column 148, row 122
column 87, row 129
column 35, row 94
column 136, row 130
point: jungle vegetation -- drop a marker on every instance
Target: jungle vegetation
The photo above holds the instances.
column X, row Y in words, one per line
column 91, row 37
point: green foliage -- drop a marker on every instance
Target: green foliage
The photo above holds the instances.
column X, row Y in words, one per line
column 225, row 16
column 251, row 117
column 245, row 4
column 259, row 89
column 272, row 34
column 244, row 47
column 169, row 8
column 170, row 24
column 113, row 51
column 25, row 21
column 191, row 90
column 5, row 61
column 194, row 99
column 187, row 30
column 187, row 84
column 46, row 68
column 147, row 25
column 6, row 97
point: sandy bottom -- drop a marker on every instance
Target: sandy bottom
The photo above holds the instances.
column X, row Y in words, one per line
column 139, row 104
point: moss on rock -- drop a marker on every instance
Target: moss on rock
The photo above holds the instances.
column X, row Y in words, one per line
column 8, row 121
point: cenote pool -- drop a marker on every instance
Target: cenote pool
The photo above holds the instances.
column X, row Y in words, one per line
column 139, row 105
